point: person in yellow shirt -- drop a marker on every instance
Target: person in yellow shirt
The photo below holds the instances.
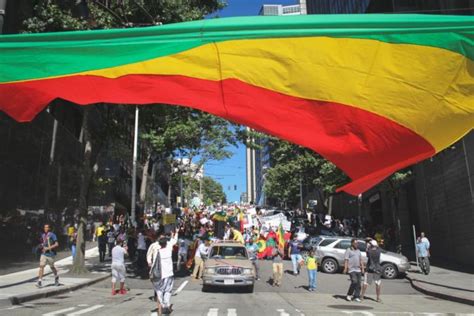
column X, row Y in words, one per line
column 237, row 236
column 312, row 266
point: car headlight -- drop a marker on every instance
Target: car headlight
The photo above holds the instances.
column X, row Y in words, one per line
column 210, row 271
column 247, row 271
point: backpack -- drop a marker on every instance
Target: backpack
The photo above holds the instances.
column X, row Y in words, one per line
column 155, row 271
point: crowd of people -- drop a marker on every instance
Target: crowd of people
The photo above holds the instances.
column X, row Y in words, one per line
column 171, row 240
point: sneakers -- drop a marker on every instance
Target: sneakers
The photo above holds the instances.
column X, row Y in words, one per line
column 123, row 291
column 113, row 292
column 357, row 300
column 349, row 298
column 39, row 284
column 56, row 281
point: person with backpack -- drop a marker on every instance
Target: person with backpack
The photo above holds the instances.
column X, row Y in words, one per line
column 49, row 243
column 374, row 269
column 161, row 273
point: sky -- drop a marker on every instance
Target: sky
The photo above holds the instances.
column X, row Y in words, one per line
column 231, row 172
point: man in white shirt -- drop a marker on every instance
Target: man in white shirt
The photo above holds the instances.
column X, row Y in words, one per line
column 118, row 266
column 199, row 256
column 163, row 250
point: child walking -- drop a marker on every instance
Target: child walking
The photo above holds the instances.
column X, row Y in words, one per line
column 312, row 266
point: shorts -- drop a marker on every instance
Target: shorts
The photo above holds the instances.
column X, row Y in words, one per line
column 118, row 272
column 372, row 276
column 45, row 260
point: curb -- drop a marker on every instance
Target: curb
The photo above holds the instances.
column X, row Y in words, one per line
column 18, row 299
column 443, row 296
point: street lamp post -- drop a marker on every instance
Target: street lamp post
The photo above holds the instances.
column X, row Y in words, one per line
column 134, row 170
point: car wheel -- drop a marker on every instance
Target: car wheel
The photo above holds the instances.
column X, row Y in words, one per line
column 206, row 288
column 389, row 271
column 329, row 265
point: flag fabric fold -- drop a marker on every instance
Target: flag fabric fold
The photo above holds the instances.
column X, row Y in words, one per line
column 371, row 93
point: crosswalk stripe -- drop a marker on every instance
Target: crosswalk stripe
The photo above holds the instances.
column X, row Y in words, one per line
column 231, row 312
column 181, row 287
column 61, row 311
column 90, row 309
column 213, row 312
column 282, row 312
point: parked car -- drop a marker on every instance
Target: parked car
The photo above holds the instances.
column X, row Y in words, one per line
column 228, row 265
column 330, row 252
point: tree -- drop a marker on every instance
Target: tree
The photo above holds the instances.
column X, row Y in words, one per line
column 212, row 191
column 179, row 134
column 292, row 164
column 52, row 16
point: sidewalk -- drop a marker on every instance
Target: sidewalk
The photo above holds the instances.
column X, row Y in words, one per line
column 19, row 287
column 443, row 283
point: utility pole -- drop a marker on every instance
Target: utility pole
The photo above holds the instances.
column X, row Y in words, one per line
column 301, row 194
column 134, row 170
column 181, row 189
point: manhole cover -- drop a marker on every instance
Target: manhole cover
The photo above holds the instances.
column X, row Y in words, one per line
column 351, row 307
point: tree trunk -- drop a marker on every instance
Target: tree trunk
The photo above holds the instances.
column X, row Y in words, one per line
column 79, row 260
column 143, row 185
column 169, row 190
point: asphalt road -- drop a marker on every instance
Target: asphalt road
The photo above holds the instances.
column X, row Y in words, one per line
column 290, row 299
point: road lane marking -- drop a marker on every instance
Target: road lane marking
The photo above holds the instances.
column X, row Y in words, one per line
column 61, row 311
column 231, row 312
column 298, row 311
column 282, row 312
column 87, row 310
column 213, row 312
column 181, row 287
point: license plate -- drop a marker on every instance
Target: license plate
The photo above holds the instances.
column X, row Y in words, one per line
column 228, row 282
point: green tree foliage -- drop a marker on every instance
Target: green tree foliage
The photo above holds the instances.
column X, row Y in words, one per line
column 167, row 135
column 212, row 191
column 61, row 15
column 291, row 164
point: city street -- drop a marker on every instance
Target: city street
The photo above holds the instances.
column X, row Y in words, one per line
column 142, row 141
column 399, row 298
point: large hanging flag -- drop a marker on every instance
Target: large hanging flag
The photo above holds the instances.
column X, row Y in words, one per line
column 371, row 93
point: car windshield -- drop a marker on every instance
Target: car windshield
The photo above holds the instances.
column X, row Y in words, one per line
column 228, row 252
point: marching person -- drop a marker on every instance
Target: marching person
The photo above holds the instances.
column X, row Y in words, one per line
column 277, row 258
column 422, row 250
column 48, row 254
column 354, row 266
column 374, row 269
column 312, row 266
column 252, row 250
column 295, row 254
column 101, row 238
column 118, row 266
column 161, row 272
column 199, row 256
